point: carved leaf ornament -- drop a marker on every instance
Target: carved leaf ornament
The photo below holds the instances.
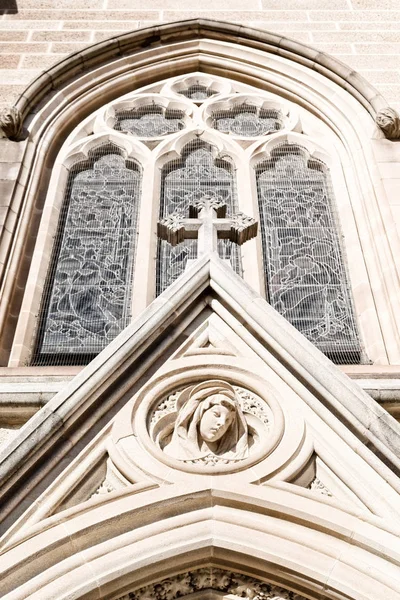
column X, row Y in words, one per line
column 209, row 578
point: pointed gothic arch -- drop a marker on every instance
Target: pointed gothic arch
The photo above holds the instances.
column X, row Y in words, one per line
column 109, row 551
column 344, row 102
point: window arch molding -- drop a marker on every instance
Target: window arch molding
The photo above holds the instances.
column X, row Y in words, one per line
column 290, row 551
column 347, row 112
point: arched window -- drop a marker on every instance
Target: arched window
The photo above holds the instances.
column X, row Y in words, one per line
column 193, row 135
column 184, row 180
column 305, row 273
column 86, row 299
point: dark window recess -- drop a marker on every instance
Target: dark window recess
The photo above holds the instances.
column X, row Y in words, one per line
column 8, row 7
column 87, row 297
column 184, row 180
column 305, row 272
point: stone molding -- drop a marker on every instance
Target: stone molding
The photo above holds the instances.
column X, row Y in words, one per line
column 130, row 43
column 124, row 540
column 377, row 433
column 271, row 437
column 350, row 120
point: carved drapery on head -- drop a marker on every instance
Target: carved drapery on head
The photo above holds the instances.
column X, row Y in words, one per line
column 212, row 423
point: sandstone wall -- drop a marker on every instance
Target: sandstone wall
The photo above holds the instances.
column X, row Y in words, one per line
column 364, row 34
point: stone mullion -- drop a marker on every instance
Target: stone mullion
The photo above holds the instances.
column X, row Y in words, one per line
column 146, row 251
column 253, row 272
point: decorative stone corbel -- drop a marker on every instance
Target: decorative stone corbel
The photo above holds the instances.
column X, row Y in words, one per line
column 11, row 123
column 389, row 121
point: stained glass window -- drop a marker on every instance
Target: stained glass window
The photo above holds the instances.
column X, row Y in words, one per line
column 306, row 279
column 183, row 181
column 247, row 120
column 149, row 121
column 86, row 302
column 198, row 92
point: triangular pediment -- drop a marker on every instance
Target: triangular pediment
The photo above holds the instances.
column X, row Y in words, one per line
column 334, row 440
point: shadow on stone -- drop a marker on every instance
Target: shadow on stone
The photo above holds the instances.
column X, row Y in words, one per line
column 8, row 7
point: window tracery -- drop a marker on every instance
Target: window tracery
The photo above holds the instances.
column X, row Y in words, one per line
column 305, row 273
column 149, row 121
column 86, row 301
column 247, row 120
column 306, row 279
column 183, row 182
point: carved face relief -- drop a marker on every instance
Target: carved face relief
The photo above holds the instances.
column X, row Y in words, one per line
column 216, row 420
column 211, row 423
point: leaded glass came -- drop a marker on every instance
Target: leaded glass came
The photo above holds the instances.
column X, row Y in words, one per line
column 184, row 181
column 149, row 121
column 306, row 279
column 247, row 121
column 86, row 302
column 198, row 92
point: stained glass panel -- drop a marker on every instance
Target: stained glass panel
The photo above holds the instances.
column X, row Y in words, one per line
column 306, row 277
column 198, row 92
column 149, row 121
column 248, row 121
column 86, row 302
column 183, row 181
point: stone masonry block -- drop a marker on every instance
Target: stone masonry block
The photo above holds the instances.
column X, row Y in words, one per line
column 13, row 36
column 305, row 4
column 101, row 26
column 52, row 17
column 39, row 4
column 67, row 48
column 181, row 4
column 237, row 15
column 10, row 61
column 361, row 15
column 61, row 36
column 40, row 61
column 15, row 47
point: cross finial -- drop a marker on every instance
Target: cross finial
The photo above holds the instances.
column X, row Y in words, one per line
column 207, row 222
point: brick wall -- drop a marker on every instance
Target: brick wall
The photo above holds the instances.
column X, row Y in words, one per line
column 355, row 31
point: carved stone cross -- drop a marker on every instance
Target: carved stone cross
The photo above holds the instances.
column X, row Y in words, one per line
column 207, row 222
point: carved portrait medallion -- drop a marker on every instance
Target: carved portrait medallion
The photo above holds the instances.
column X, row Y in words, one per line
column 211, row 423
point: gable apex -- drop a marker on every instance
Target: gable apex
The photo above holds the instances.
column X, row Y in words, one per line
column 208, row 288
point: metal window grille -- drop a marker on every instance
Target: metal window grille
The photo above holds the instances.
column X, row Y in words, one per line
column 198, row 92
column 149, row 121
column 184, row 180
column 247, row 120
column 87, row 295
column 306, row 278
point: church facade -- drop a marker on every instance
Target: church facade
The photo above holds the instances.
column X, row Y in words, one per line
column 200, row 339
